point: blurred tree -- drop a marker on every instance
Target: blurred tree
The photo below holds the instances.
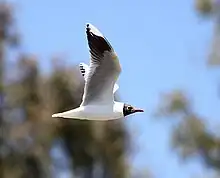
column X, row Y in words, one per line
column 6, row 36
column 204, row 7
column 29, row 131
column 211, row 8
column 191, row 135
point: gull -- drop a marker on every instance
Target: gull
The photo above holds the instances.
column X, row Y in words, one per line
column 100, row 79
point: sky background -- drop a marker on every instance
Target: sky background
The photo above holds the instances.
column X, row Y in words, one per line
column 162, row 45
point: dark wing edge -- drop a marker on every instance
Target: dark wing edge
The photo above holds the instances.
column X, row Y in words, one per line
column 104, row 69
column 98, row 44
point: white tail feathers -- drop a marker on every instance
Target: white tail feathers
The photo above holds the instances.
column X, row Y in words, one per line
column 66, row 114
column 56, row 115
column 84, row 68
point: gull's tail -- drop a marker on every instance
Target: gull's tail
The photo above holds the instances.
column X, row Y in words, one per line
column 57, row 115
column 66, row 114
column 70, row 114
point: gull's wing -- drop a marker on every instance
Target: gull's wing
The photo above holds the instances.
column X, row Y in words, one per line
column 84, row 68
column 116, row 87
column 103, row 71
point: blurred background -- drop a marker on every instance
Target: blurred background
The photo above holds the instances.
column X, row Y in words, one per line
column 170, row 57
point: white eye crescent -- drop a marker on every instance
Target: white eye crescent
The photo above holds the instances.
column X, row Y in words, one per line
column 129, row 108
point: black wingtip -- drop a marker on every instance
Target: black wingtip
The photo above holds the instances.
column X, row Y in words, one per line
column 87, row 27
column 92, row 30
column 97, row 42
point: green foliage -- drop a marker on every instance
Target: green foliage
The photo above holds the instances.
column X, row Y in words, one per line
column 190, row 136
column 204, row 7
column 211, row 8
column 214, row 56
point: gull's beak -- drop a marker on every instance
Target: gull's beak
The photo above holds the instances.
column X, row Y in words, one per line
column 138, row 110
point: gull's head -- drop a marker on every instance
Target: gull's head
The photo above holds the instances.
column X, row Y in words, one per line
column 128, row 109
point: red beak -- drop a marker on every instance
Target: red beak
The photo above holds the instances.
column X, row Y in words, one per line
column 138, row 110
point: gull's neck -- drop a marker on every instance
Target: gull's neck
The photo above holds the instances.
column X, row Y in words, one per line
column 118, row 108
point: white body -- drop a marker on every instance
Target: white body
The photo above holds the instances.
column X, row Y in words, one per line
column 100, row 82
column 95, row 112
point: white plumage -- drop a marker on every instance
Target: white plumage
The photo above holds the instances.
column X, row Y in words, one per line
column 100, row 83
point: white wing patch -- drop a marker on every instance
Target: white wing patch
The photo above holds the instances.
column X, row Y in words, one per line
column 116, row 87
column 84, row 68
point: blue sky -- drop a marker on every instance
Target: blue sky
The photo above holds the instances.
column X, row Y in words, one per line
column 162, row 45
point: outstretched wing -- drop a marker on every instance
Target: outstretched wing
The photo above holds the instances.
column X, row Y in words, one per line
column 103, row 71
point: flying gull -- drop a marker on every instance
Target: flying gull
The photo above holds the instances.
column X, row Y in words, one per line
column 100, row 83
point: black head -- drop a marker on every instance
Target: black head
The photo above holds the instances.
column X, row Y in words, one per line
column 128, row 109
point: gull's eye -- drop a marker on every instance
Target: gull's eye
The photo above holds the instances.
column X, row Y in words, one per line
column 129, row 108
